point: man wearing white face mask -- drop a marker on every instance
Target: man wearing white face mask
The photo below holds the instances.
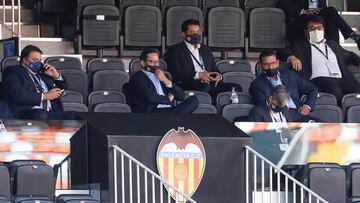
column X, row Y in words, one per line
column 322, row 61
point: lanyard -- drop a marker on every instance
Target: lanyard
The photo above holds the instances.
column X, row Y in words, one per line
column 276, row 120
column 326, row 50
column 197, row 61
column 37, row 83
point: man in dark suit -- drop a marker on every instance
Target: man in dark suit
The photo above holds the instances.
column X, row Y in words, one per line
column 192, row 64
column 33, row 89
column 274, row 108
column 297, row 12
column 322, row 61
column 262, row 87
column 5, row 111
column 151, row 91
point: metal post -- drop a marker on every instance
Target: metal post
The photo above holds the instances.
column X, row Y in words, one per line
column 12, row 17
column 19, row 19
column 115, row 177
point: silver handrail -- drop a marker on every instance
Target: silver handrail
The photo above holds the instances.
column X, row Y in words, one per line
column 3, row 22
column 138, row 165
column 273, row 169
column 66, row 160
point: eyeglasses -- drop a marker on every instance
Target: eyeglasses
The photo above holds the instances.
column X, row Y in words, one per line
column 153, row 62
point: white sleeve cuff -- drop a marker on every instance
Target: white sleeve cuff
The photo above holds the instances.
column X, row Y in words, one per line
column 307, row 106
column 302, row 11
column 169, row 85
column 196, row 77
column 42, row 99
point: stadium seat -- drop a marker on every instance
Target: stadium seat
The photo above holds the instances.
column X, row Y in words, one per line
column 135, row 66
column 9, row 61
column 237, row 112
column 203, row 97
column 112, row 108
column 323, row 99
column 76, row 198
column 327, row 113
column 233, row 65
column 142, row 29
column 353, row 115
column 98, row 97
column 109, row 80
column 100, row 26
column 5, row 195
column 267, row 28
column 127, row 3
column 166, row 4
column 64, row 62
column 349, row 100
column 76, row 80
column 175, row 16
column 226, row 28
column 223, row 99
column 97, row 64
column 250, row 4
column 76, row 107
column 208, row 4
column 243, row 79
column 205, row 109
column 72, row 96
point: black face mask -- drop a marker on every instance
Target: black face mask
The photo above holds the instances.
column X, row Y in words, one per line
column 271, row 72
column 276, row 109
column 152, row 69
column 193, row 39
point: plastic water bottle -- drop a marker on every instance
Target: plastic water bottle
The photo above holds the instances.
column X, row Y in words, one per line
column 234, row 98
column 2, row 127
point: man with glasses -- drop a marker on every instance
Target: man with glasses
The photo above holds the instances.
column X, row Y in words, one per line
column 323, row 61
column 274, row 75
column 297, row 11
column 151, row 91
column 192, row 64
column 33, row 89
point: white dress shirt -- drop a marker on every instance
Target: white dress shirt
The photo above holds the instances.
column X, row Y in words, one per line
column 195, row 52
column 157, row 84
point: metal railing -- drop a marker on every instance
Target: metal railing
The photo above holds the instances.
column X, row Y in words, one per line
column 285, row 189
column 14, row 10
column 64, row 177
column 155, row 194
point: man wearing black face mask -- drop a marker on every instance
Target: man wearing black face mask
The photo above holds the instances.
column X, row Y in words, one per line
column 261, row 88
column 33, row 89
column 192, row 64
column 151, row 91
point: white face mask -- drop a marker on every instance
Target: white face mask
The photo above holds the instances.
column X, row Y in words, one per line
column 316, row 36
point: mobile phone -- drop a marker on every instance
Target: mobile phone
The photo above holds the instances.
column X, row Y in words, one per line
column 213, row 75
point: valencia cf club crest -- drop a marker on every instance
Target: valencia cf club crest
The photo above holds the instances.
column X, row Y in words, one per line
column 181, row 161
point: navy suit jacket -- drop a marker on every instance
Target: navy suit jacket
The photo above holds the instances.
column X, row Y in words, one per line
column 5, row 111
column 21, row 93
column 143, row 94
column 261, row 113
column 181, row 66
column 261, row 88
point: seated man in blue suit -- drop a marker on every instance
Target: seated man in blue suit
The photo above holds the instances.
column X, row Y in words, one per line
column 151, row 91
column 272, row 76
column 33, row 89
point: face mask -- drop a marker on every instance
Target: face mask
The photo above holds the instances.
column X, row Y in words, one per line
column 35, row 66
column 271, row 72
column 193, row 39
column 277, row 109
column 152, row 69
column 316, row 36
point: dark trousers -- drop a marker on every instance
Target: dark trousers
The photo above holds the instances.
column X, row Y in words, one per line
column 333, row 23
column 187, row 106
column 297, row 117
column 337, row 86
column 197, row 85
column 40, row 114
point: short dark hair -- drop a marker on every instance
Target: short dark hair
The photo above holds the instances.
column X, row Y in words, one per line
column 267, row 53
column 185, row 25
column 315, row 19
column 146, row 51
column 281, row 94
column 27, row 50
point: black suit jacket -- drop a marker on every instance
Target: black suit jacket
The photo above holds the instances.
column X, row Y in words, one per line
column 292, row 8
column 261, row 88
column 4, row 111
column 143, row 94
column 180, row 63
column 261, row 113
column 21, row 93
column 302, row 50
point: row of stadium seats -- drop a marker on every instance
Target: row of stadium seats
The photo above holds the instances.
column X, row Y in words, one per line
column 32, row 181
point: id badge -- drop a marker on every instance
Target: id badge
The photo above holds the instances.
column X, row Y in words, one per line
column 333, row 69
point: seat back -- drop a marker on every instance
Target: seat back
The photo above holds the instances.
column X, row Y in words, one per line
column 127, row 3
column 166, row 4
column 226, row 27
column 175, row 16
column 76, row 80
column 64, row 62
column 97, row 64
column 203, row 97
column 142, row 26
column 223, row 99
column 353, row 115
column 5, row 182
column 327, row 113
column 205, row 109
column 101, row 26
column 250, row 4
column 243, row 79
column 75, row 107
column 237, row 111
column 104, row 96
column 267, row 28
column 233, row 65
column 9, row 61
column 109, row 80
column 72, row 96
column 349, row 100
column 112, row 108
